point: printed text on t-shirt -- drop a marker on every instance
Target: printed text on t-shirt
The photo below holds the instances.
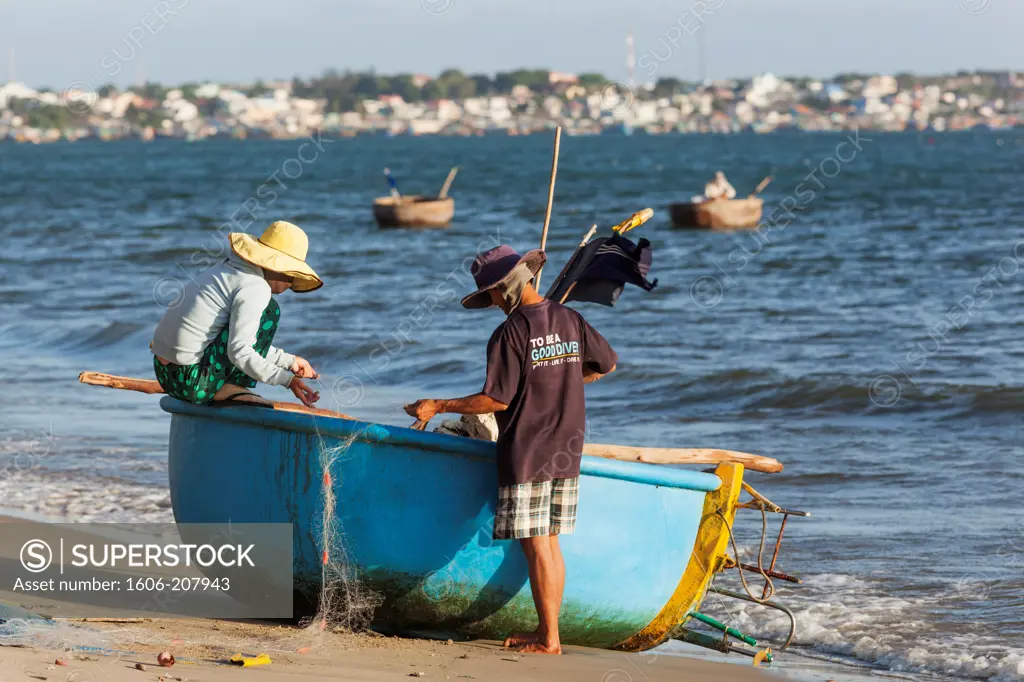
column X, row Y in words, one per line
column 551, row 350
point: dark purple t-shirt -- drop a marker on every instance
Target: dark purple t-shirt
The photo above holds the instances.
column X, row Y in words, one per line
column 535, row 363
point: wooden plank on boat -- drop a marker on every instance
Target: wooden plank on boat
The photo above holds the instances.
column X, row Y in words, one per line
column 629, row 453
column 152, row 386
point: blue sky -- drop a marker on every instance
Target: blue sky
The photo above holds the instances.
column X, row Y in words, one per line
column 58, row 42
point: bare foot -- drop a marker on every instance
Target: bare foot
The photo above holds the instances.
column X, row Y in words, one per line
column 518, row 639
column 539, row 647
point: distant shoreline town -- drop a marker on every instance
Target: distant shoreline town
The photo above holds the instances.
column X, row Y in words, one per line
column 513, row 103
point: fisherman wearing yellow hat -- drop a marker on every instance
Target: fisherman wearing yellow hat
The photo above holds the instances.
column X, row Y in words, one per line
column 215, row 344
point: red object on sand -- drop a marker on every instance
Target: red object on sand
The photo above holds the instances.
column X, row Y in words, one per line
column 165, row 659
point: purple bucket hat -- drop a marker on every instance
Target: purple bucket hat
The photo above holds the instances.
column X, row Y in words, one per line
column 493, row 267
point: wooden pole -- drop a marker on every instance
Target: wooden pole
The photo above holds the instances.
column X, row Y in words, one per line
column 588, row 235
column 764, row 183
column 443, row 194
column 551, row 198
column 151, row 387
column 568, row 291
column 628, row 453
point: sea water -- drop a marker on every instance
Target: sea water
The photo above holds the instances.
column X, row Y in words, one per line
column 869, row 339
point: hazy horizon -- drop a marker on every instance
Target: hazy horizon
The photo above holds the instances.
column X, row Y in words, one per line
column 175, row 41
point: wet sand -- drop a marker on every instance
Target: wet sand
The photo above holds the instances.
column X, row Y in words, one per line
column 202, row 647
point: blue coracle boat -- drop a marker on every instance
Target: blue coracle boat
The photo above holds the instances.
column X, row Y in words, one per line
column 417, row 508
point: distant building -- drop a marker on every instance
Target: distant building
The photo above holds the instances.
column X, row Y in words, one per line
column 15, row 91
column 557, row 77
column 880, row 86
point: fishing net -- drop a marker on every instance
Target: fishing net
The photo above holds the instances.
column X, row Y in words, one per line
column 60, row 635
column 344, row 603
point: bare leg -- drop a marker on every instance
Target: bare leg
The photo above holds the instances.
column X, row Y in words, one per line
column 547, row 577
column 518, row 639
column 556, row 551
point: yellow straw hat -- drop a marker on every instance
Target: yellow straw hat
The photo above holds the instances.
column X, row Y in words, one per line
column 281, row 248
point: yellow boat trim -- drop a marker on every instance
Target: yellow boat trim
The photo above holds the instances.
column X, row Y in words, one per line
column 707, row 558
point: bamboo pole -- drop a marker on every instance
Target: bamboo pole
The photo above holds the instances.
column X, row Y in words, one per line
column 151, row 387
column 551, row 198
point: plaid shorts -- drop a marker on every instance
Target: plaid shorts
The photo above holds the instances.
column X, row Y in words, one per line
column 528, row 510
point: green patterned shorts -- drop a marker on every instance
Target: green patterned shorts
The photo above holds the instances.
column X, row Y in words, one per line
column 197, row 383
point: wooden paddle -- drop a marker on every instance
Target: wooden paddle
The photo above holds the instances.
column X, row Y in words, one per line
column 757, row 190
column 151, row 386
column 443, row 194
column 629, row 453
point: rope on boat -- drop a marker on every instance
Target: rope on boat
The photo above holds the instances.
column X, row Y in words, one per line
column 764, row 505
column 760, row 557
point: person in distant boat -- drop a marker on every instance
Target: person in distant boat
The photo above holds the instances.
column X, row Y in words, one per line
column 718, row 188
column 538, row 360
column 215, row 344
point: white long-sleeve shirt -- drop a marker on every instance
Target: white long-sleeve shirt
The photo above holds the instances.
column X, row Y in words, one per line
column 717, row 189
column 233, row 291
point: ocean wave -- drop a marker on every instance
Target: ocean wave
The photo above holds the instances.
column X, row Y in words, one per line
column 747, row 393
column 852, row 620
column 80, row 498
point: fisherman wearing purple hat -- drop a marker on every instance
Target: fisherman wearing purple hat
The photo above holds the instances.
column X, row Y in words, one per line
column 538, row 360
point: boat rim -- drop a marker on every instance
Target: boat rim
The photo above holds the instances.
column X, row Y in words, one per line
column 340, row 428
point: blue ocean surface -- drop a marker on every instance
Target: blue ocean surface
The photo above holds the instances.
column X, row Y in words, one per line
column 868, row 338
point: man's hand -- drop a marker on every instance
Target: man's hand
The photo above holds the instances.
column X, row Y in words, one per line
column 590, row 376
column 301, row 368
column 303, row 392
column 424, row 410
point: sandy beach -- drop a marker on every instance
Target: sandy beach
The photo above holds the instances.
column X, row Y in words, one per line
column 108, row 645
column 203, row 647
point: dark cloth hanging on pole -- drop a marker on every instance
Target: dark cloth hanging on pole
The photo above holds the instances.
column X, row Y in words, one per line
column 599, row 271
